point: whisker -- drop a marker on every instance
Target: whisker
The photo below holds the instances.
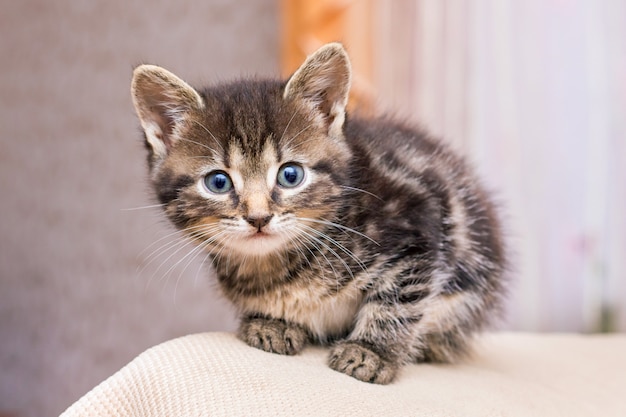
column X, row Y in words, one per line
column 197, row 143
column 328, row 248
column 293, row 236
column 195, row 251
column 218, row 255
column 159, row 251
column 177, row 232
column 288, row 124
column 190, row 257
column 206, row 246
column 340, row 247
column 361, row 191
column 298, row 134
column 210, row 133
column 312, row 241
column 142, row 207
column 339, row 226
column 305, row 244
column 175, row 246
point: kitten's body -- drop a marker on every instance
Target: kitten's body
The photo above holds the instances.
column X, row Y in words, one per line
column 387, row 245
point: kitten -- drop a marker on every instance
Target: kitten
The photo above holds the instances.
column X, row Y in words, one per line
column 367, row 235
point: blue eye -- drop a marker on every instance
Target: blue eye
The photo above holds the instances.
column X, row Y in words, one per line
column 218, row 182
column 290, row 175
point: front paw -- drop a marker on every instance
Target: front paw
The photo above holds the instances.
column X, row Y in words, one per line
column 361, row 363
column 272, row 335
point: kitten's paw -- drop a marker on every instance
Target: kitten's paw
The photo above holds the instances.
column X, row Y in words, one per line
column 361, row 363
column 272, row 335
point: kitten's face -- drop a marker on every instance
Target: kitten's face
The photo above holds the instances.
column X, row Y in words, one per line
column 251, row 178
column 253, row 167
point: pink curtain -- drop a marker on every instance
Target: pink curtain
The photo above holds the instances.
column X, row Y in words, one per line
column 534, row 92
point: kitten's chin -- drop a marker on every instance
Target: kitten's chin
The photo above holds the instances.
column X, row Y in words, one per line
column 258, row 244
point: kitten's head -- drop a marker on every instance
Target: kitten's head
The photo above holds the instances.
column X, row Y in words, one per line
column 250, row 167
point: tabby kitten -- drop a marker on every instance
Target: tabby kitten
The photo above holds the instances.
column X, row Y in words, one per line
column 367, row 235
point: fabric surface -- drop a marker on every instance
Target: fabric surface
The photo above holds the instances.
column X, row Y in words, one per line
column 511, row 374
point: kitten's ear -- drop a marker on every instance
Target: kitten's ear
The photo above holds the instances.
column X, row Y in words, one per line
column 323, row 83
column 162, row 102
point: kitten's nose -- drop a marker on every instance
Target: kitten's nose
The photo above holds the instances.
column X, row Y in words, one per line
column 259, row 221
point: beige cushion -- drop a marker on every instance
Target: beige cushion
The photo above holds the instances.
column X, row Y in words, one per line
column 214, row 374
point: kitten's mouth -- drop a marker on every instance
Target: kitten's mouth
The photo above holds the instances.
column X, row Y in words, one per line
column 259, row 234
column 258, row 243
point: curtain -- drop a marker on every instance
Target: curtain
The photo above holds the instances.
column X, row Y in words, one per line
column 534, row 92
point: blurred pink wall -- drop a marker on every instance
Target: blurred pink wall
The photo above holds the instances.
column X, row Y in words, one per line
column 535, row 92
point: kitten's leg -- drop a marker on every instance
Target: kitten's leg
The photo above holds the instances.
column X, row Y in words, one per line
column 383, row 336
column 393, row 328
column 373, row 352
column 273, row 335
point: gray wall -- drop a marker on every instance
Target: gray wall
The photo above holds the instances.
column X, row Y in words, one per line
column 78, row 297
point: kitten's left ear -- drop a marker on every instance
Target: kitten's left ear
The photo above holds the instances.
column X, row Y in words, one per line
column 163, row 102
column 323, row 83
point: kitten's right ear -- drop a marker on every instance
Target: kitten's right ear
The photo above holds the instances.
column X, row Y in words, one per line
column 162, row 102
column 323, row 83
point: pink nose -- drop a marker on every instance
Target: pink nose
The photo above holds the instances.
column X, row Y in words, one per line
column 259, row 222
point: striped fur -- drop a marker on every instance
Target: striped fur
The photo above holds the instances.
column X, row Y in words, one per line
column 389, row 249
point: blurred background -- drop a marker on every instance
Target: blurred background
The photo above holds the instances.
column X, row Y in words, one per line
column 534, row 92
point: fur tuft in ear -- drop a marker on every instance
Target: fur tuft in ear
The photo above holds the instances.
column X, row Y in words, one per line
column 323, row 83
column 162, row 102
